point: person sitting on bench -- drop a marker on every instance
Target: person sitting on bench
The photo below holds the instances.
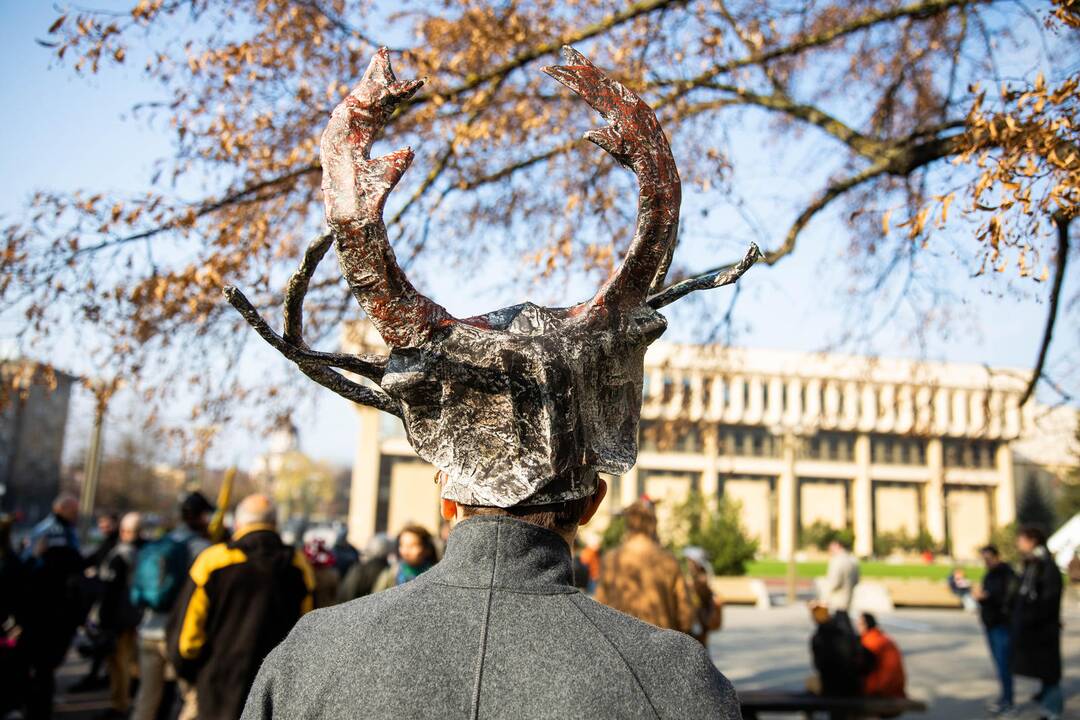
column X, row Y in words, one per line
column 839, row 658
column 886, row 677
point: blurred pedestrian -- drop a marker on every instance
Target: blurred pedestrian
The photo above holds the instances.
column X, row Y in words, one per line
column 323, row 564
column 415, row 555
column 241, row 599
column 108, row 525
column 644, row 580
column 164, row 567
column 995, row 596
column 117, row 615
column 839, row 657
column 361, row 577
column 708, row 612
column 886, row 663
column 841, row 577
column 1037, row 621
column 54, row 605
column 14, row 670
column 961, row 587
column 345, row 555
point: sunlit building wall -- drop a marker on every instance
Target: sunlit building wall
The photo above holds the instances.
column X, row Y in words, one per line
column 875, row 445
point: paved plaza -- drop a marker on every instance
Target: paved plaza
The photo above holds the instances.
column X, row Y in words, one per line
column 944, row 654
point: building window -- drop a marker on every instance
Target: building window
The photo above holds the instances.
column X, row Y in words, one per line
column 973, row 454
column 668, row 436
column 897, row 450
column 835, row 446
column 747, row 442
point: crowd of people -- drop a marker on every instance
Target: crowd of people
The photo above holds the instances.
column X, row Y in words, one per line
column 1019, row 609
column 177, row 626
column 180, row 625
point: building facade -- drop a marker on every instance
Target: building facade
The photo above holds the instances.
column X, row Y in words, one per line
column 873, row 445
column 33, row 421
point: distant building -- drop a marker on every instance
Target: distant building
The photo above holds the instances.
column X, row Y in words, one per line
column 32, row 424
column 874, row 445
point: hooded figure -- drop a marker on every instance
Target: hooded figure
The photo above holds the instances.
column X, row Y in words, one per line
column 520, row 410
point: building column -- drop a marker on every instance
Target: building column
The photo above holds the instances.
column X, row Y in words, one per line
column 863, row 499
column 787, row 499
column 710, row 447
column 364, row 488
column 935, row 490
column 1005, row 492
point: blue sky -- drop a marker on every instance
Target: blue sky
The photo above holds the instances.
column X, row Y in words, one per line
column 64, row 132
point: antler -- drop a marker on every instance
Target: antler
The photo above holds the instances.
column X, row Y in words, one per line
column 355, row 189
column 313, row 363
column 635, row 139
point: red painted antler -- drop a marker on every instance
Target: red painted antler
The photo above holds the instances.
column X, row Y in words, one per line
column 355, row 188
column 635, row 139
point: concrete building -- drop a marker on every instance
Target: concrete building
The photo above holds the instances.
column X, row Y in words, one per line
column 874, row 445
column 32, row 425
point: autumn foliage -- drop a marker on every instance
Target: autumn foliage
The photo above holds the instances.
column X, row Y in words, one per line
column 930, row 146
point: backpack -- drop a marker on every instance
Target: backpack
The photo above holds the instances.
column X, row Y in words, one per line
column 160, row 571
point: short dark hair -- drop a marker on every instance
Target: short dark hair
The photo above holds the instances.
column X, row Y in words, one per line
column 990, row 550
column 560, row 517
column 869, row 621
column 1032, row 532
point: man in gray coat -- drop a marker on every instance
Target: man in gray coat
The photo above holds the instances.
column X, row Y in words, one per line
column 520, row 410
column 495, row 630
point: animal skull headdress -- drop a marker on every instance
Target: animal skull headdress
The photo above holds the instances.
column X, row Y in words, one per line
column 522, row 406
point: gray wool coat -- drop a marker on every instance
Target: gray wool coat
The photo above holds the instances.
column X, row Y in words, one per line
column 495, row 630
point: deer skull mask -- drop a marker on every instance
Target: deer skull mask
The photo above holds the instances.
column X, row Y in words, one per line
column 521, row 406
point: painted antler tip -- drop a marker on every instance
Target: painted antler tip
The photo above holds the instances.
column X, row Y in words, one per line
column 573, row 57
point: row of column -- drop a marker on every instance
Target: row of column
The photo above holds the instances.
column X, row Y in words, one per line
column 847, row 405
column 862, row 491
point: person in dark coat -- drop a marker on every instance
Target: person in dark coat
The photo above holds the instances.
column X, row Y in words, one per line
column 108, row 524
column 360, row 578
column 54, row 605
column 117, row 615
column 995, row 596
column 1037, row 621
column 240, row 600
column 839, row 657
column 14, row 670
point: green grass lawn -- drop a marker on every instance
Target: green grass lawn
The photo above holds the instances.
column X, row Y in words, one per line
column 868, row 569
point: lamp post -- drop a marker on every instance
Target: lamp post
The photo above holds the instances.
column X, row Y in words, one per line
column 792, row 436
column 102, row 390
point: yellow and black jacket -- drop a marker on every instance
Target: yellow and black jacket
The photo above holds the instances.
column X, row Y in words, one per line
column 240, row 600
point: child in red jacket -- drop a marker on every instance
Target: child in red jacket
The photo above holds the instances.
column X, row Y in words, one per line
column 886, row 678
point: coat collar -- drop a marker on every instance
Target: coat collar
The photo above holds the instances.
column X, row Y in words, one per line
column 506, row 553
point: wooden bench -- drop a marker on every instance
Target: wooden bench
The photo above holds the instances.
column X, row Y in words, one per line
column 921, row 593
column 735, row 590
column 779, row 701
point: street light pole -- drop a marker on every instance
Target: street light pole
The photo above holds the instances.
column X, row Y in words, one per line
column 92, row 468
column 103, row 391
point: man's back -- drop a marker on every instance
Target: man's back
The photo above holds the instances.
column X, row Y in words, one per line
column 642, row 579
column 241, row 599
column 496, row 630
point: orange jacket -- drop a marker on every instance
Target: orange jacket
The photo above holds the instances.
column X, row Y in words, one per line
column 887, row 677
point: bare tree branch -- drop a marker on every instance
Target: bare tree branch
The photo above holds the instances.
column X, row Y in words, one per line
column 1061, row 222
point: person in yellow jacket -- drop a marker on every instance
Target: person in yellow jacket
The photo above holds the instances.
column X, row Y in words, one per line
column 241, row 599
